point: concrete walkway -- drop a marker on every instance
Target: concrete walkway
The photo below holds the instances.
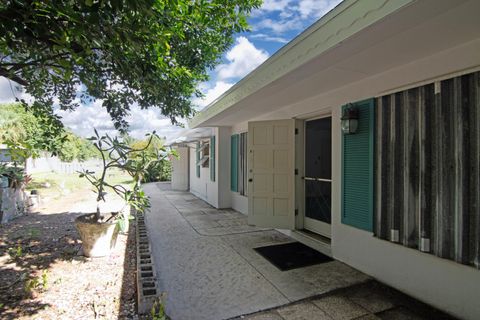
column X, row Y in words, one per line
column 208, row 269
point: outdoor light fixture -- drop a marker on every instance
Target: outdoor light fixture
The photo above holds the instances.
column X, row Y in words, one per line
column 350, row 119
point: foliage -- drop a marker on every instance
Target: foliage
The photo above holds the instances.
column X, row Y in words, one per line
column 26, row 136
column 153, row 157
column 157, row 312
column 15, row 253
column 17, row 178
column 37, row 283
column 117, row 154
column 144, row 52
column 77, row 148
column 26, row 133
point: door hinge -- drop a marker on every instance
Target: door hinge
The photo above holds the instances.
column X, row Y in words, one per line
column 296, row 172
column 296, row 212
column 296, row 130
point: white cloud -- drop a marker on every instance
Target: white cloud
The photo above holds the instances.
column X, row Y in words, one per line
column 10, row 90
column 84, row 119
column 279, row 26
column 242, row 58
column 315, row 8
column 212, row 93
column 275, row 5
column 281, row 16
column 266, row 37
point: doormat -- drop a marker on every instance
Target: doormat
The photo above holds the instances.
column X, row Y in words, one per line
column 292, row 255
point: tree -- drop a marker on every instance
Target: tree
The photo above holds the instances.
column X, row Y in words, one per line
column 77, row 148
column 147, row 52
column 27, row 134
column 152, row 157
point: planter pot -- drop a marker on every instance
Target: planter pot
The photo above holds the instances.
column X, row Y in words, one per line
column 98, row 238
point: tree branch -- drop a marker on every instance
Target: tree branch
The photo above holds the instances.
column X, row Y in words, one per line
column 5, row 73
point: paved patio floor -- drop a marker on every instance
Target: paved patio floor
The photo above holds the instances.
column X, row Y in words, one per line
column 208, row 269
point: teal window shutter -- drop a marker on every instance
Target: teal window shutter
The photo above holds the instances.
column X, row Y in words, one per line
column 357, row 173
column 212, row 158
column 234, row 163
column 197, row 164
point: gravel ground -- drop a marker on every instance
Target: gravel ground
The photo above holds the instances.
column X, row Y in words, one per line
column 42, row 275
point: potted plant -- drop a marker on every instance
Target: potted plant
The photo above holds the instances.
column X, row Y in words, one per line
column 99, row 230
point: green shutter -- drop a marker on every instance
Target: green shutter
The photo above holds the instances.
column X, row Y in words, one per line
column 234, row 163
column 358, row 175
column 212, row 158
column 197, row 164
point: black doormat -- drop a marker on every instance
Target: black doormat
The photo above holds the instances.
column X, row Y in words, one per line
column 292, row 255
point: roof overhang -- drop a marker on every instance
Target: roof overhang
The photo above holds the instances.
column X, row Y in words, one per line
column 356, row 40
column 190, row 135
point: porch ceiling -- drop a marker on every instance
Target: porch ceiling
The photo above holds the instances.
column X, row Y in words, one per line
column 413, row 32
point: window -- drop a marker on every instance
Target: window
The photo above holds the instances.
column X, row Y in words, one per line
column 428, row 168
column 238, row 165
column 203, row 154
column 242, row 164
column 212, row 158
column 202, row 150
column 198, row 157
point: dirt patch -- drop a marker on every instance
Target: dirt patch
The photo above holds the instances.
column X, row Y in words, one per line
column 43, row 277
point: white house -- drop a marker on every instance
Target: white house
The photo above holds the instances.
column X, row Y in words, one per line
column 399, row 197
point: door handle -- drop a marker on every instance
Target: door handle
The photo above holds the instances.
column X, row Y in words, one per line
column 250, row 180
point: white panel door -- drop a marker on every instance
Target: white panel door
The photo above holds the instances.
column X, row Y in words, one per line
column 271, row 174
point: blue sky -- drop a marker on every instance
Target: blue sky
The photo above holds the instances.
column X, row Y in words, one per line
column 272, row 26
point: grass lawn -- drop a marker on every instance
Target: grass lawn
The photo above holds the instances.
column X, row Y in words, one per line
column 61, row 183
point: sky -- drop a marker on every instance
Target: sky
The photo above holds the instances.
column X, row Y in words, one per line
column 273, row 25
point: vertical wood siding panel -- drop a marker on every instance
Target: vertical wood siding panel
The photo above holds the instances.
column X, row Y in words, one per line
column 422, row 133
column 438, row 179
column 428, row 168
column 448, row 170
column 474, row 170
column 405, row 168
column 437, row 144
column 398, row 204
column 384, row 213
column 388, row 161
column 391, row 168
column 411, row 176
column 426, row 132
column 379, row 152
column 461, row 193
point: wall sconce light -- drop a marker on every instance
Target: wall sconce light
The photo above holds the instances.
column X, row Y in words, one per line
column 350, row 119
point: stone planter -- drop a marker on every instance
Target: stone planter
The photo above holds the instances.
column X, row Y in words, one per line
column 98, row 238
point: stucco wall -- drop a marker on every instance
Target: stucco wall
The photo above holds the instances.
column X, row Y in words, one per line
column 202, row 187
column 239, row 202
column 180, row 169
column 223, row 166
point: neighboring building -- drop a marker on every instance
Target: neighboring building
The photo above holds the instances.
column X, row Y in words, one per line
column 400, row 198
